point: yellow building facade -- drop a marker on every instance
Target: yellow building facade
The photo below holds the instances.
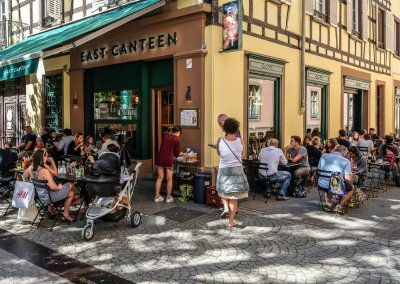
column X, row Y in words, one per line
column 350, row 69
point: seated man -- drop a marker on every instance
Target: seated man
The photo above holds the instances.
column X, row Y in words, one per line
column 336, row 162
column 8, row 161
column 273, row 156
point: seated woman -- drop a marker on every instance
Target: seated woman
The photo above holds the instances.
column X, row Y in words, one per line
column 331, row 145
column 40, row 171
column 74, row 147
column 360, row 161
column 90, row 146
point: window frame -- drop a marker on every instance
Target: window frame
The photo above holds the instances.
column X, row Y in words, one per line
column 321, row 9
column 356, row 16
column 397, row 37
column 381, row 24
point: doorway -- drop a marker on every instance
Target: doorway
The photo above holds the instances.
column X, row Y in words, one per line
column 353, row 106
column 163, row 116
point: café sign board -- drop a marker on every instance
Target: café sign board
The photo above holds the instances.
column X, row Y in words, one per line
column 129, row 47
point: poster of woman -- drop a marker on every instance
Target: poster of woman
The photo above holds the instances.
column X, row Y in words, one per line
column 231, row 33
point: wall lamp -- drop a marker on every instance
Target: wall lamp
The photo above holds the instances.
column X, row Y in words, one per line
column 75, row 102
column 188, row 94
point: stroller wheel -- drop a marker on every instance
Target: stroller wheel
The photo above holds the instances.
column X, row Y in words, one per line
column 87, row 232
column 135, row 219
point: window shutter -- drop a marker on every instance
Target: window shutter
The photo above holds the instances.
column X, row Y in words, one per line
column 333, row 15
column 309, row 7
column 364, row 19
column 54, row 9
column 350, row 16
column 389, row 21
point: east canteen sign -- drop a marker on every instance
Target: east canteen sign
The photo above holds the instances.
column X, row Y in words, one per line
column 136, row 45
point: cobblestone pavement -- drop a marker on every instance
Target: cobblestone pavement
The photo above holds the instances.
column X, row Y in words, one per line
column 16, row 270
column 277, row 242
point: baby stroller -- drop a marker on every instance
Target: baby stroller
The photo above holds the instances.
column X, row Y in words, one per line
column 111, row 203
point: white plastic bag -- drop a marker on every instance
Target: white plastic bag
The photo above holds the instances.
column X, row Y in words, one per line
column 23, row 194
column 28, row 214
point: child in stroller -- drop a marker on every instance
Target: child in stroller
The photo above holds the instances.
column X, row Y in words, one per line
column 111, row 203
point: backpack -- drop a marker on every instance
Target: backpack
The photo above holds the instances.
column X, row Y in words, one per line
column 336, row 185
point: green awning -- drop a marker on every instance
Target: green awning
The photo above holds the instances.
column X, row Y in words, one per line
column 14, row 58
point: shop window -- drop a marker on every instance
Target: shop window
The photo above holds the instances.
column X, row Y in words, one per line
column 381, row 28
column 314, row 105
column 53, row 102
column 397, row 112
column 117, row 111
column 356, row 17
column 261, row 103
column 348, row 111
column 321, row 9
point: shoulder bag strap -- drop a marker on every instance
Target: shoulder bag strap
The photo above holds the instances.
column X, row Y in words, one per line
column 232, row 151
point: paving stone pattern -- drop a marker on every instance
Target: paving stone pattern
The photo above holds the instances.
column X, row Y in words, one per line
column 16, row 270
column 278, row 242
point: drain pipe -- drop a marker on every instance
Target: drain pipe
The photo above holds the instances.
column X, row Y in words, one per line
column 303, row 51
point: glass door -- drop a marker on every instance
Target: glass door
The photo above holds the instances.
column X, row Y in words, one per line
column 163, row 114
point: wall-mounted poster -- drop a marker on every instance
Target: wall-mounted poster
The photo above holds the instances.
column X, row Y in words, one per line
column 189, row 117
column 232, row 26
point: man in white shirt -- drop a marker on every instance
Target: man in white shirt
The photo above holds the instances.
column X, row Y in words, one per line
column 273, row 157
column 107, row 141
column 65, row 141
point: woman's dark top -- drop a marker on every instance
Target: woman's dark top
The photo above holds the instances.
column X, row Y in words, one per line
column 170, row 148
column 314, row 155
column 383, row 150
column 71, row 150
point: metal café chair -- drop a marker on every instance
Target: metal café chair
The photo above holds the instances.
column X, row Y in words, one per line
column 323, row 191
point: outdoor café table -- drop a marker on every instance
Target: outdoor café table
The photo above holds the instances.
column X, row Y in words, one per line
column 289, row 166
column 79, row 181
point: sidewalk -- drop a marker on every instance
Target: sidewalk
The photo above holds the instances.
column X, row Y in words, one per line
column 279, row 242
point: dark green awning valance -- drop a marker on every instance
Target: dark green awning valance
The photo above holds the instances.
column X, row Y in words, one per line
column 19, row 69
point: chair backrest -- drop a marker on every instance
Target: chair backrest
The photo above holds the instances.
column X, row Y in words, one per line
column 363, row 150
column 325, row 174
column 41, row 191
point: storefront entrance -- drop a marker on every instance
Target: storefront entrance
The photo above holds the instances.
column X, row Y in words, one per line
column 118, row 99
column 12, row 110
column 163, row 115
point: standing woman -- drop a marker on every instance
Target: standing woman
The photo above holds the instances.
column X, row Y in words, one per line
column 231, row 181
column 170, row 149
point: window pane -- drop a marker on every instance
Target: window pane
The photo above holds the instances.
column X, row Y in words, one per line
column 122, row 105
column 53, row 102
column 123, row 133
column 261, row 112
column 313, row 107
